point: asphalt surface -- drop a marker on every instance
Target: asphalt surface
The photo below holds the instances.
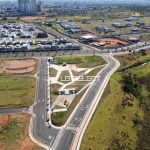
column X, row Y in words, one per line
column 41, row 130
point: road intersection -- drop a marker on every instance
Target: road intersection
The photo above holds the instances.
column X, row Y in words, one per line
column 42, row 132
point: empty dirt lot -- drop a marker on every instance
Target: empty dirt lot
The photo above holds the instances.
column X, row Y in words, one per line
column 17, row 66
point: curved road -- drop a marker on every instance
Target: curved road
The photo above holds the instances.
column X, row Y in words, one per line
column 53, row 138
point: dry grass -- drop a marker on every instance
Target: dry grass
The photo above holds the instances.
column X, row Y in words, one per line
column 112, row 121
column 54, row 91
column 63, row 75
column 132, row 58
column 17, row 92
column 52, row 72
column 14, row 133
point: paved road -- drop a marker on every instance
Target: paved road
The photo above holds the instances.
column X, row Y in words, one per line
column 41, row 131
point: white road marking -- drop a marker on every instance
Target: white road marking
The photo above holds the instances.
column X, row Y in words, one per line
column 51, row 140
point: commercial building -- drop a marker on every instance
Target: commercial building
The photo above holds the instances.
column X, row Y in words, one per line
column 27, row 6
column 40, row 6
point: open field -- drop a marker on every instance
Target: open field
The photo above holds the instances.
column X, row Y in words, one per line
column 132, row 58
column 14, row 133
column 61, row 117
column 18, row 66
column 82, row 62
column 17, row 92
column 121, row 121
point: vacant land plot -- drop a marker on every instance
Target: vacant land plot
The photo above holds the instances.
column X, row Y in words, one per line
column 82, row 62
column 20, row 66
column 14, row 133
column 17, row 92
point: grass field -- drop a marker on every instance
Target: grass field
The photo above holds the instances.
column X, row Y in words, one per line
column 116, row 126
column 14, row 133
column 112, row 123
column 82, row 62
column 63, row 76
column 17, row 92
column 52, row 72
column 54, row 91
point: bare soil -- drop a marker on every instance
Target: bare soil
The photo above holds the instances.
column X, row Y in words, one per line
column 18, row 66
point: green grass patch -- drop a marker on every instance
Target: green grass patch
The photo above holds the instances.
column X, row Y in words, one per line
column 52, row 72
column 120, row 122
column 12, row 131
column 63, row 77
column 17, row 92
column 82, row 61
column 132, row 58
column 54, row 91
column 112, row 126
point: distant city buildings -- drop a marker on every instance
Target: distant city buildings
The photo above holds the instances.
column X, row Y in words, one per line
column 27, row 6
column 40, row 6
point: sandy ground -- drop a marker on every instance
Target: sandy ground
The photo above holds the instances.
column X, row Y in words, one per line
column 112, row 42
column 27, row 144
column 61, row 102
column 18, row 66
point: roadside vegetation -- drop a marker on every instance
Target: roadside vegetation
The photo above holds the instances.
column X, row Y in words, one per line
column 14, row 132
column 121, row 120
column 82, row 62
column 133, row 59
column 17, row 92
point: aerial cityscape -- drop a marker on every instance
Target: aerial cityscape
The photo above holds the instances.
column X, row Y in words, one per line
column 74, row 75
